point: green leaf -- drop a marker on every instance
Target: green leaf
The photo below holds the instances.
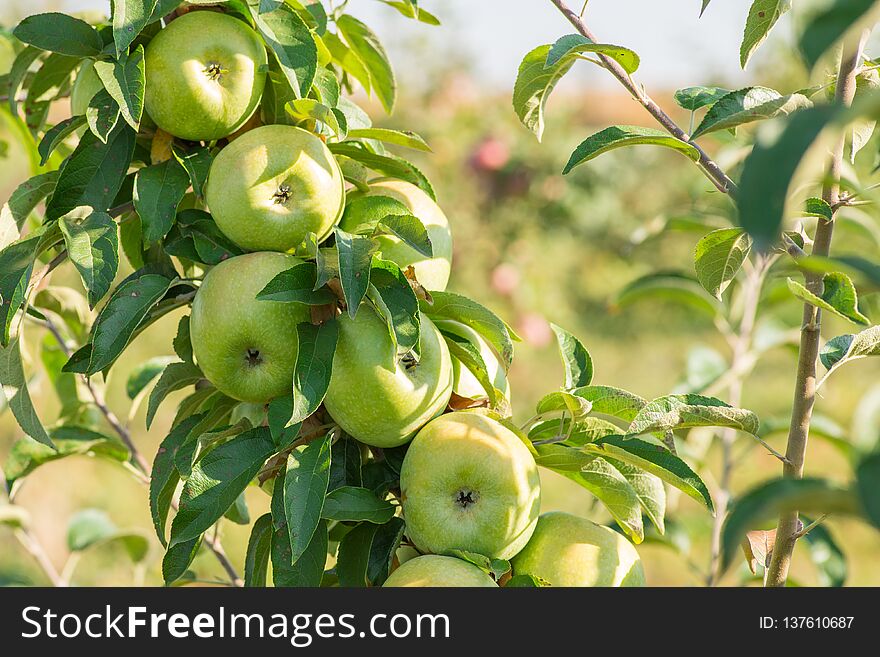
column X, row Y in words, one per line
column 614, row 491
column 125, row 80
column 17, row 74
column 56, row 136
column 577, row 406
column 575, row 357
column 847, row 348
column 164, row 475
column 217, row 479
column 314, row 364
column 256, row 561
column 27, row 455
column 308, row 570
column 120, row 317
column 411, row 10
column 670, row 287
column 396, row 137
column 353, row 559
column 372, row 55
column 388, row 165
column 349, row 503
column 130, row 17
column 768, row 171
column 383, row 548
column 350, row 62
column 176, row 376
column 92, row 244
column 305, row 485
column 534, row 83
column 15, row 391
column 656, row 460
column 94, row 173
column 497, row 568
column 16, row 266
column 466, row 353
column 345, row 464
column 355, row 257
column 297, row 285
column 21, row 203
column 748, row 105
column 102, row 115
column 809, row 495
column 60, row 33
column 448, row 305
column 626, row 135
column 182, row 342
column 694, row 98
column 719, row 256
column 398, row 298
column 526, row 581
column 763, row 15
column 290, row 40
column 158, row 190
column 686, row 411
column 563, row 459
column 178, row 558
column 818, row 207
column 649, row 489
column 838, row 296
column 829, row 25
column 867, row 484
column 571, row 45
column 829, row 559
column 195, row 235
column 307, row 108
column 197, row 163
column 377, row 214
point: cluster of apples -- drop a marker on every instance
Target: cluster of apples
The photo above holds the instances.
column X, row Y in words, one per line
column 468, row 482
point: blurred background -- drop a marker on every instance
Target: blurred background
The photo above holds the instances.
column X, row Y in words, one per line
column 530, row 244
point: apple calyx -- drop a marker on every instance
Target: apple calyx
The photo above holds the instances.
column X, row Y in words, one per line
column 215, row 71
column 282, row 196
column 253, row 357
column 466, row 497
column 409, row 362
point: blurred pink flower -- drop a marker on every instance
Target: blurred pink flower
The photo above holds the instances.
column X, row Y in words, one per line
column 490, row 155
column 535, row 330
column 505, row 279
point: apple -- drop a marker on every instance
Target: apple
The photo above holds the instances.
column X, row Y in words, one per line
column 377, row 396
column 469, row 483
column 245, row 347
column 205, row 75
column 566, row 550
column 434, row 570
column 272, row 186
column 464, row 383
column 432, row 273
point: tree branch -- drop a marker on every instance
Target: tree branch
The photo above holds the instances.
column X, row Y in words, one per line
column 714, row 172
column 805, row 383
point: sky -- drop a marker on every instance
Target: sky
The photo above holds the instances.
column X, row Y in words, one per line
column 677, row 47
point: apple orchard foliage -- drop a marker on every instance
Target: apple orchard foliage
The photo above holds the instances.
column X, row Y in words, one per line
column 111, row 184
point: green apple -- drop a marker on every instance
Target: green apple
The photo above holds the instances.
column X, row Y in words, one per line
column 378, row 397
column 434, row 570
column 205, row 75
column 469, row 483
column 566, row 550
column 245, row 347
column 272, row 186
column 464, row 383
column 433, row 273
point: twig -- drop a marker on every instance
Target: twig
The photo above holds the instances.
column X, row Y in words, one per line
column 806, row 530
column 35, row 549
column 805, row 383
column 714, row 172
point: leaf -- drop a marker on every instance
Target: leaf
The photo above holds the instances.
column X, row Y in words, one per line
column 686, row 411
column 612, row 489
column 353, row 559
column 818, row 207
column 575, row 357
column 350, row 503
column 396, row 137
column 656, row 460
column 387, row 165
column 176, row 376
column 378, row 214
column 626, row 135
column 256, row 560
column 829, row 25
column 16, row 266
column 838, row 296
column 466, row 353
column 355, row 257
column 829, row 559
column 308, row 570
column 345, row 464
column 93, row 174
column 182, row 342
column 158, row 190
column 763, row 15
column 534, row 83
column 563, row 459
column 56, row 136
column 448, row 305
column 577, row 406
column 15, row 391
column 27, row 455
column 846, row 348
column 383, row 549
column 21, row 203
column 768, row 171
column 125, row 81
column 409, row 9
column 93, row 247
column 195, row 235
column 17, row 73
column 694, row 98
column 60, row 33
column 748, row 105
column 120, row 317
column 178, row 558
column 297, row 285
column 314, row 364
column 649, row 489
column 571, row 45
column 867, row 484
column 305, row 485
column 164, row 475
column 758, row 547
column 719, row 256
column 130, row 17
column 372, row 55
column 497, row 568
column 290, row 40
column 217, row 479
column 307, row 108
column 197, row 163
column 808, row 495
column 102, row 115
column 398, row 298
column 672, row 287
